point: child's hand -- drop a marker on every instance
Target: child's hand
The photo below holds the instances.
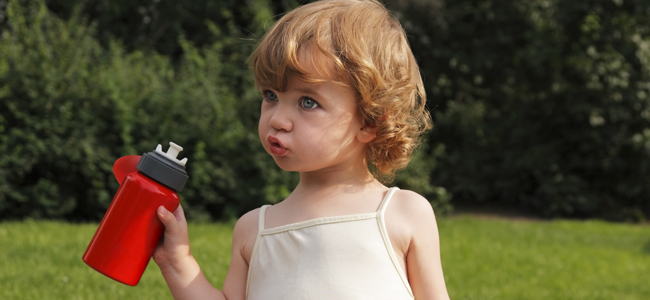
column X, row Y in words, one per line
column 176, row 241
column 180, row 270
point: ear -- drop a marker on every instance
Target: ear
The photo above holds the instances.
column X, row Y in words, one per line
column 366, row 134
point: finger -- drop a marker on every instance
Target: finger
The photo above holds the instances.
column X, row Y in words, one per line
column 169, row 220
column 179, row 213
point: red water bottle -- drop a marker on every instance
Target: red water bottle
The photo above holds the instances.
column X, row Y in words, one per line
column 130, row 230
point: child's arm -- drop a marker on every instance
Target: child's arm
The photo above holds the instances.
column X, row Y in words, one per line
column 181, row 271
column 423, row 264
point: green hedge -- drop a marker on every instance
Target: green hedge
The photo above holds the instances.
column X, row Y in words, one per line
column 537, row 104
column 543, row 105
column 70, row 107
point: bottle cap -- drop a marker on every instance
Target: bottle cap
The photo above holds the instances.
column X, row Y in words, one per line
column 165, row 168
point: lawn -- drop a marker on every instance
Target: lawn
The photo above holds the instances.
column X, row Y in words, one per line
column 504, row 259
column 482, row 259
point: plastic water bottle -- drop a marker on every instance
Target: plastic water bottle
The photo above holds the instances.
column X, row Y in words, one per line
column 130, row 230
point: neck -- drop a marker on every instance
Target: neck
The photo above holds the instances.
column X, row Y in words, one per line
column 343, row 176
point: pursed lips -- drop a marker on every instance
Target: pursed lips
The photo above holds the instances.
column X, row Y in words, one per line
column 276, row 147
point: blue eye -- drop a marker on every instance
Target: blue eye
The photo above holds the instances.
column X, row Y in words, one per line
column 308, row 103
column 270, row 96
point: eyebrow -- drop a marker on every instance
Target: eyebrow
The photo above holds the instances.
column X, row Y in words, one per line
column 307, row 90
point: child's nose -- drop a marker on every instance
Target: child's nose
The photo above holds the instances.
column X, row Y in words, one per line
column 281, row 120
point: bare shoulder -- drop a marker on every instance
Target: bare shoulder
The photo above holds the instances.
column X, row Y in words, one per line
column 408, row 217
column 243, row 241
column 411, row 206
column 248, row 222
column 245, row 233
column 415, row 217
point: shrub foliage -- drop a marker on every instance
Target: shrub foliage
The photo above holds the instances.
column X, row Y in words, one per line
column 540, row 104
column 70, row 107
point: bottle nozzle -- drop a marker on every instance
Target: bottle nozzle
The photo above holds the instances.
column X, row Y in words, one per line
column 172, row 153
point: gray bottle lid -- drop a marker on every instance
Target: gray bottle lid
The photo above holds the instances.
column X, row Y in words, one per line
column 164, row 167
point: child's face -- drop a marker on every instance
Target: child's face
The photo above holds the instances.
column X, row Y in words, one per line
column 311, row 126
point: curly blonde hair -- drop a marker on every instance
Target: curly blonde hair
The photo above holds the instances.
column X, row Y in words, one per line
column 368, row 50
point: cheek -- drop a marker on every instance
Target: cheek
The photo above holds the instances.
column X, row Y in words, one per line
column 262, row 126
column 343, row 128
column 325, row 137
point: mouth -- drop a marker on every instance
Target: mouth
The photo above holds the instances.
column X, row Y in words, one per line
column 276, row 147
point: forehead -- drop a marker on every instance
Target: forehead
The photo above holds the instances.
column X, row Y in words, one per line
column 309, row 62
column 316, row 66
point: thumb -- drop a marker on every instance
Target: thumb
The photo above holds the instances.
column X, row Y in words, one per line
column 168, row 219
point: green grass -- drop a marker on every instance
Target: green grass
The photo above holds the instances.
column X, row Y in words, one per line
column 502, row 259
column 42, row 260
column 482, row 259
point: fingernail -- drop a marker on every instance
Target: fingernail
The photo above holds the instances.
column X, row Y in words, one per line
column 162, row 211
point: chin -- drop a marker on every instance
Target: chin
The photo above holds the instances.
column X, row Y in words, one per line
column 284, row 165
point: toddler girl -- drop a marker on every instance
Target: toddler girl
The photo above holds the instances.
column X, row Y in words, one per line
column 343, row 105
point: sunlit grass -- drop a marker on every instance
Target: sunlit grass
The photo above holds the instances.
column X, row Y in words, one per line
column 502, row 259
column 42, row 260
column 482, row 259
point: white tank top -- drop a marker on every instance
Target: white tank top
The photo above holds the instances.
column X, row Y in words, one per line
column 344, row 257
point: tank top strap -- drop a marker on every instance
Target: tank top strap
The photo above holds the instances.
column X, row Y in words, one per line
column 262, row 217
column 384, row 234
column 384, row 202
column 260, row 228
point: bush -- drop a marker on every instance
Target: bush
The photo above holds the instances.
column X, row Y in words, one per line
column 70, row 108
column 538, row 104
column 543, row 105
